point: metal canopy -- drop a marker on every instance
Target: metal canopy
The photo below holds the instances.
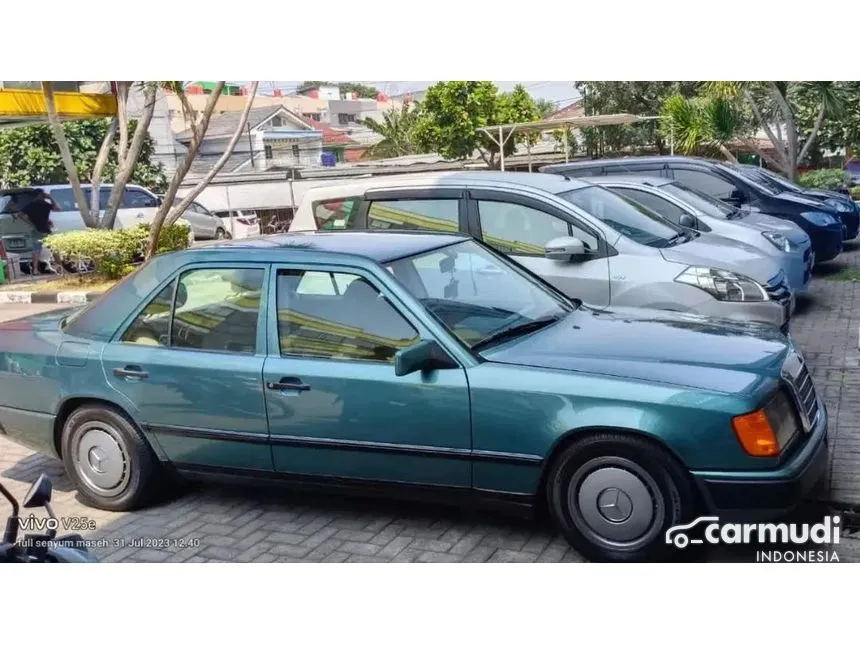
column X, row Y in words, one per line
column 501, row 133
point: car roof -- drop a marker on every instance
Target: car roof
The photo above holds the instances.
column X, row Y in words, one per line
column 379, row 246
column 642, row 180
column 456, row 179
column 623, row 161
column 49, row 187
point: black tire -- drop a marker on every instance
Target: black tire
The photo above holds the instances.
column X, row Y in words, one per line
column 121, row 471
column 221, row 234
column 599, row 490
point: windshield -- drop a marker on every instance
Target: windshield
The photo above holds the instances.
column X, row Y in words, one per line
column 701, row 201
column 778, row 181
column 626, row 216
column 476, row 293
column 766, row 187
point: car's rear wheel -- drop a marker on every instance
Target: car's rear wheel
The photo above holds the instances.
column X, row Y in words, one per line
column 221, row 234
column 112, row 466
column 614, row 496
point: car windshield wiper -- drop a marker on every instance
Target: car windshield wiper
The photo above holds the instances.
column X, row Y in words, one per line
column 515, row 330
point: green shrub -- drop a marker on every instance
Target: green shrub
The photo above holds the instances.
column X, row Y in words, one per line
column 855, row 192
column 113, row 252
column 825, row 179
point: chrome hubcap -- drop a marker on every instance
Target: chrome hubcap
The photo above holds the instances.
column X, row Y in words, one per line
column 100, row 460
column 615, row 502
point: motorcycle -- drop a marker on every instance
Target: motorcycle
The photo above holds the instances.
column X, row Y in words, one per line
column 37, row 547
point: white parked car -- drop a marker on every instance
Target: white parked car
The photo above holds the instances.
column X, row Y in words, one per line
column 239, row 223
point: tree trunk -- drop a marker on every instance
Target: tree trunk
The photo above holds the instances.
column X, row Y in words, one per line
column 122, row 88
column 66, row 154
column 98, row 168
column 125, row 164
column 231, row 145
column 811, row 140
column 727, row 153
column 790, row 129
column 777, row 143
column 198, row 132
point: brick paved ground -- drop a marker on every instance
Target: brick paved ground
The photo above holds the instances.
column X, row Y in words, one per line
column 242, row 524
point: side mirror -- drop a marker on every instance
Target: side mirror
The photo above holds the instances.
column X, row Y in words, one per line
column 687, row 221
column 564, row 249
column 39, row 493
column 424, row 356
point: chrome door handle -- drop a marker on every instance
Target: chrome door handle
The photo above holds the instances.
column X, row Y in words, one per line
column 288, row 384
column 130, row 371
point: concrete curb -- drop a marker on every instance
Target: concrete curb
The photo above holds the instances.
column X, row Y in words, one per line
column 48, row 297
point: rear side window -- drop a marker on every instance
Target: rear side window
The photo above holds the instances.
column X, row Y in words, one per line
column 133, row 198
column 706, row 182
column 415, row 214
column 65, row 198
column 334, row 214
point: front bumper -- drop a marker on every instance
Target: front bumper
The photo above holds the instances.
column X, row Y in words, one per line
column 797, row 267
column 826, row 241
column 772, row 493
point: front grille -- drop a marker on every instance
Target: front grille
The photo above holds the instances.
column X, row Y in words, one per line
column 799, row 381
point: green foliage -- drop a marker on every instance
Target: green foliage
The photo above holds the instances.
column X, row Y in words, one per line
column 398, row 131
column 699, row 125
column 825, row 179
column 644, row 98
column 29, row 155
column 855, row 192
column 363, row 91
column 545, row 108
column 841, row 127
column 453, row 113
column 113, row 252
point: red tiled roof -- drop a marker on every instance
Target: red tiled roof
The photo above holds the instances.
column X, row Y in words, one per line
column 574, row 109
column 331, row 137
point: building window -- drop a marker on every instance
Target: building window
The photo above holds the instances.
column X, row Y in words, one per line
column 276, row 122
column 296, row 153
column 268, row 152
column 344, row 119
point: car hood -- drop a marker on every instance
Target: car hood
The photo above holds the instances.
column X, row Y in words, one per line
column 673, row 348
column 720, row 252
column 801, row 200
column 762, row 222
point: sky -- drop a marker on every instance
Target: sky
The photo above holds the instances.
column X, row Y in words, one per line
column 559, row 92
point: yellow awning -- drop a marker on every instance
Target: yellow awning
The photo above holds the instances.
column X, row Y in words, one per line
column 26, row 107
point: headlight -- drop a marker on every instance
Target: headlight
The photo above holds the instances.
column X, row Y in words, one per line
column 779, row 241
column 819, row 219
column 724, row 285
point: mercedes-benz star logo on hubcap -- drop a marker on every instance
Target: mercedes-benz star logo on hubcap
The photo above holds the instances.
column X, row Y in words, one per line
column 614, row 504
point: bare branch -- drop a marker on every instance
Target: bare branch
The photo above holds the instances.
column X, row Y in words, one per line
column 126, row 164
column 231, row 145
column 66, row 153
column 819, row 120
column 184, row 166
column 98, row 167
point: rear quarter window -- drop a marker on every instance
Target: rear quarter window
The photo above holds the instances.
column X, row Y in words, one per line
column 334, row 214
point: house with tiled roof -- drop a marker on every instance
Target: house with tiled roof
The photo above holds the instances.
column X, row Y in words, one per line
column 274, row 138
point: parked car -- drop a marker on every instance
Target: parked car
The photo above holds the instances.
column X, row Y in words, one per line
column 726, row 183
column 206, row 225
column 137, row 206
column 239, row 223
column 621, row 254
column 783, row 241
column 847, row 208
column 416, row 364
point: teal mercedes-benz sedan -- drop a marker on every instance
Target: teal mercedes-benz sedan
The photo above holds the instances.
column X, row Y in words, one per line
column 417, row 364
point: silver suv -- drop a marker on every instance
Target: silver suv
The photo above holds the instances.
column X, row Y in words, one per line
column 586, row 240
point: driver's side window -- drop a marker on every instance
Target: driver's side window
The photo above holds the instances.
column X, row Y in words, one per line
column 521, row 230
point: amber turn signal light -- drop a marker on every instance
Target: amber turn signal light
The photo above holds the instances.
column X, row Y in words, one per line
column 755, row 434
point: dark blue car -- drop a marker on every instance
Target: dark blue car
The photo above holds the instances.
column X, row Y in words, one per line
column 725, row 182
column 847, row 208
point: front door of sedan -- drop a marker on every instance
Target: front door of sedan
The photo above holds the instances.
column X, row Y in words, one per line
column 191, row 361
column 521, row 226
column 336, row 408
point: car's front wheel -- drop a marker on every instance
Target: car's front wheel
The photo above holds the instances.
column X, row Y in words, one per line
column 111, row 465
column 614, row 496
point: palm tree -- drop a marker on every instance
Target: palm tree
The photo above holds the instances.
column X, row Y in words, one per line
column 700, row 123
column 396, row 130
column 771, row 104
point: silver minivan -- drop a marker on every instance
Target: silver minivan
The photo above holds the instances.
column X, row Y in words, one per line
column 591, row 243
column 783, row 241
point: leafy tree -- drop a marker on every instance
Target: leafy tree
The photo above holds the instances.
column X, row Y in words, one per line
column 700, row 124
column 544, row 108
column 397, row 129
column 29, row 155
column 454, row 111
column 839, row 130
column 775, row 109
column 644, row 98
